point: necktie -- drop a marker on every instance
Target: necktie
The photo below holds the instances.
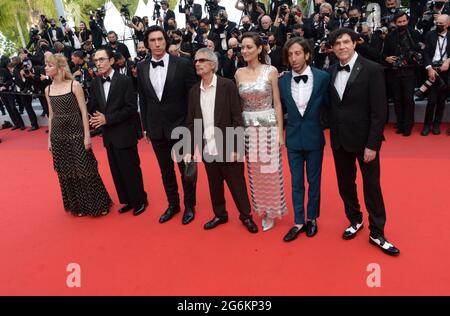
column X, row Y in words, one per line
column 106, row 79
column 302, row 77
column 157, row 63
column 346, row 68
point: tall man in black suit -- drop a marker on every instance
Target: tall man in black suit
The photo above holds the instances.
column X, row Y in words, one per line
column 164, row 82
column 114, row 101
column 437, row 61
column 166, row 14
column 190, row 9
column 357, row 113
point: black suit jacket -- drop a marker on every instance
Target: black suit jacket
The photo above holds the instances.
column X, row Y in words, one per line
column 227, row 110
column 120, row 110
column 169, row 15
column 197, row 11
column 59, row 34
column 159, row 118
column 431, row 40
column 357, row 121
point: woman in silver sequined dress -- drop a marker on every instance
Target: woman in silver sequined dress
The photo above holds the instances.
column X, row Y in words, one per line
column 263, row 119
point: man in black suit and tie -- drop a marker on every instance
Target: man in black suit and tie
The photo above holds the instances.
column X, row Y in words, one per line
column 357, row 114
column 166, row 14
column 114, row 102
column 164, row 82
column 191, row 9
column 55, row 34
column 437, row 61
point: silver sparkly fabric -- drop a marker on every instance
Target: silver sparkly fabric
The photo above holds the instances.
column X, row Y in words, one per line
column 264, row 164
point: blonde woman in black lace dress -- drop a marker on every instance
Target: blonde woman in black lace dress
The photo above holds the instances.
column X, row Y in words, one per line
column 69, row 142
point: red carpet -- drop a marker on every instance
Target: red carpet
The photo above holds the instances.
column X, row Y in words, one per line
column 127, row 255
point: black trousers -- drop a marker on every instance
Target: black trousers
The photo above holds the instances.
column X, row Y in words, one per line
column 26, row 101
column 233, row 174
column 11, row 108
column 436, row 103
column 163, row 152
column 44, row 104
column 345, row 164
column 403, row 84
column 127, row 175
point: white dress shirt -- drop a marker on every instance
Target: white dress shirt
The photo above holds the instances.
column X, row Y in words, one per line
column 207, row 104
column 342, row 76
column 107, row 85
column 158, row 76
column 441, row 42
column 301, row 91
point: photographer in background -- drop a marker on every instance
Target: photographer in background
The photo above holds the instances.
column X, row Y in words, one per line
column 213, row 8
column 55, row 34
column 233, row 59
column 96, row 24
column 275, row 4
column 191, row 9
column 247, row 25
column 251, row 8
column 402, row 54
column 166, row 15
column 205, row 33
column 84, row 34
column 437, row 61
column 138, row 26
column 116, row 46
column 224, row 28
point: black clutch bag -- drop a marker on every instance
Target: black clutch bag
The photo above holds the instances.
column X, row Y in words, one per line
column 190, row 172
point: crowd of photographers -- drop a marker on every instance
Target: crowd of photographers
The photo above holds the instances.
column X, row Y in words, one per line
column 411, row 43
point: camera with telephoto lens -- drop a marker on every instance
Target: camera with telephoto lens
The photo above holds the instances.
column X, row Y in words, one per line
column 125, row 12
column 439, row 82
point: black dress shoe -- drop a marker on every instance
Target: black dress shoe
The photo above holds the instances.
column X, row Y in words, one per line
column 15, row 127
column 293, row 233
column 33, row 128
column 311, row 228
column 188, row 216
column 385, row 246
column 407, row 132
column 399, row 131
column 425, row 131
column 169, row 213
column 216, row 221
column 436, row 130
column 352, row 230
column 250, row 224
column 22, row 128
column 140, row 209
column 125, row 208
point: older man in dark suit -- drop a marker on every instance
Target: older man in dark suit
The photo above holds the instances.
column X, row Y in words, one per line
column 216, row 104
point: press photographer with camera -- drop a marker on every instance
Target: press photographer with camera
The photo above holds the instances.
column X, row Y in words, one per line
column 253, row 8
column 115, row 46
column 233, row 59
column 166, row 15
column 97, row 26
column 402, row 54
column 213, row 8
column 247, row 25
column 437, row 61
column 223, row 28
column 23, row 81
column 138, row 26
column 275, row 4
column 55, row 34
column 84, row 34
column 6, row 85
column 190, row 8
column 204, row 32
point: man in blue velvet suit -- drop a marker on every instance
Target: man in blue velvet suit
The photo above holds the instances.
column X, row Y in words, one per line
column 303, row 93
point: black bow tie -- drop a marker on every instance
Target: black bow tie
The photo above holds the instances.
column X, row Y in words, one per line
column 157, row 63
column 302, row 77
column 346, row 68
column 106, row 79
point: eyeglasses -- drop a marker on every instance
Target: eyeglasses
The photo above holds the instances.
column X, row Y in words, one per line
column 100, row 60
column 201, row 60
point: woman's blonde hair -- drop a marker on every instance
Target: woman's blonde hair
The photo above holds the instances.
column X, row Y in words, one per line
column 61, row 62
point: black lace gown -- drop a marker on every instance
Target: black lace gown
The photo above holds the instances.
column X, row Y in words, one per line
column 82, row 188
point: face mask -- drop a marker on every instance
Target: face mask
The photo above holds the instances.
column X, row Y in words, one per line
column 402, row 28
column 246, row 26
column 353, row 20
column 440, row 28
column 141, row 54
column 439, row 5
column 177, row 41
column 316, row 8
column 53, row 25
